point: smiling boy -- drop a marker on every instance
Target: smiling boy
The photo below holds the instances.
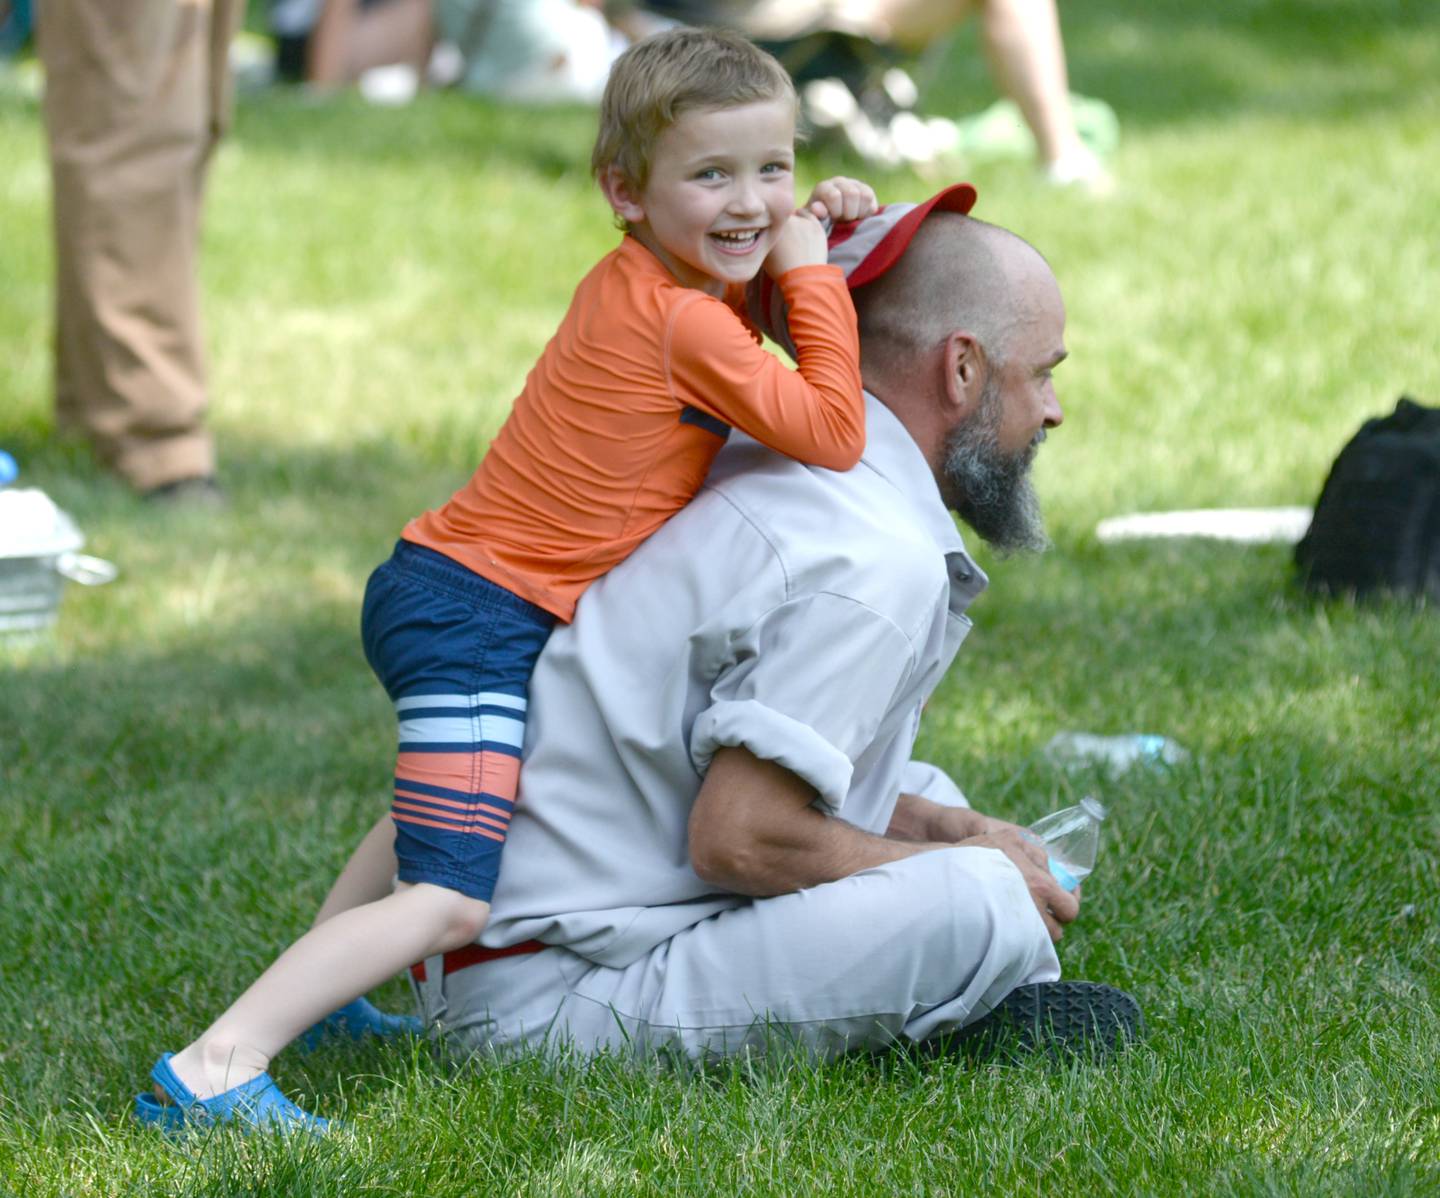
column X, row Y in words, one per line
column 613, row 433
column 719, row 195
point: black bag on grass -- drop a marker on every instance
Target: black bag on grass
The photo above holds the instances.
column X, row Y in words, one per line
column 1377, row 521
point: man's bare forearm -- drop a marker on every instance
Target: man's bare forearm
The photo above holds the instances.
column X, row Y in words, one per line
column 753, row 831
column 920, row 819
column 824, row 849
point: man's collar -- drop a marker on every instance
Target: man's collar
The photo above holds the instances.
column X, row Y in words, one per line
column 891, row 452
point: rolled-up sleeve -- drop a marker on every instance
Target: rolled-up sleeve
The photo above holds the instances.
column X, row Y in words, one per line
column 781, row 697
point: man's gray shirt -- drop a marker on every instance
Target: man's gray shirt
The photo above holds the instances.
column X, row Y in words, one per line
column 799, row 612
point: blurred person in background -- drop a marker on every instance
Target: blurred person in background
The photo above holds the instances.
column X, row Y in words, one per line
column 520, row 51
column 331, row 43
column 531, row 51
column 137, row 94
column 845, row 55
column 15, row 19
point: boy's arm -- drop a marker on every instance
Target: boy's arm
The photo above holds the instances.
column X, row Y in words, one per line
column 815, row 413
column 837, row 199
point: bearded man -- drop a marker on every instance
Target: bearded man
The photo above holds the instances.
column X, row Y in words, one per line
column 722, row 844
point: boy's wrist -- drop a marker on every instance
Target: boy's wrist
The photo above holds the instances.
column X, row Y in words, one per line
column 824, row 267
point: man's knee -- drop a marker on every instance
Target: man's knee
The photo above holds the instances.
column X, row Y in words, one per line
column 984, row 907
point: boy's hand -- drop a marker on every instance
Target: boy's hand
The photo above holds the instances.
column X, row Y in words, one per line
column 842, row 199
column 801, row 242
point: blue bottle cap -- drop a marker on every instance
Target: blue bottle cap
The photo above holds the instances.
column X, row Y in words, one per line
column 9, row 471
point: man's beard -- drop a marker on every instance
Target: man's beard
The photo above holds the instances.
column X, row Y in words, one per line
column 989, row 489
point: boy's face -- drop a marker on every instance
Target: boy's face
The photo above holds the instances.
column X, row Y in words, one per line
column 722, row 186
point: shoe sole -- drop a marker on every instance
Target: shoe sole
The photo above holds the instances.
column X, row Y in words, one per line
column 1056, row 1018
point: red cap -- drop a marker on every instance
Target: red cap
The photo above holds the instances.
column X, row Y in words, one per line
column 863, row 249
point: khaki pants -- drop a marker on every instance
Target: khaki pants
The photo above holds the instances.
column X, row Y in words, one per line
column 137, row 94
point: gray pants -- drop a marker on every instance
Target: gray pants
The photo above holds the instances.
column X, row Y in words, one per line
column 899, row 953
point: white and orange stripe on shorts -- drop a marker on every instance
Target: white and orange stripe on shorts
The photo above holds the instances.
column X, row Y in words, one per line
column 459, row 762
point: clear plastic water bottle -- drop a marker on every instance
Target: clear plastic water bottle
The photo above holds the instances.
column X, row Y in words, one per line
column 1117, row 753
column 9, row 471
column 1071, row 837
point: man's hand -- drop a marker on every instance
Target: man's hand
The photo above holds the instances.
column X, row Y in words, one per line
column 1056, row 905
column 919, row 819
column 842, row 199
column 801, row 243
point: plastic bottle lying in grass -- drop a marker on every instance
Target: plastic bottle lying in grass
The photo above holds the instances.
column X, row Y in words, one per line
column 1071, row 837
column 1118, row 753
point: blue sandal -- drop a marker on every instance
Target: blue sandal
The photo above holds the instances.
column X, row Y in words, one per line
column 356, row 1020
column 256, row 1105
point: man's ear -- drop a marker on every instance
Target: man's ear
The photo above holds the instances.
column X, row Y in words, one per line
column 966, row 370
column 622, row 195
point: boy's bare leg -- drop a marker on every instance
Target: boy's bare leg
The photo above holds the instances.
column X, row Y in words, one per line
column 369, row 875
column 339, row 959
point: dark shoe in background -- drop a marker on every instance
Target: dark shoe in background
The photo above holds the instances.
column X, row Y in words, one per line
column 192, row 493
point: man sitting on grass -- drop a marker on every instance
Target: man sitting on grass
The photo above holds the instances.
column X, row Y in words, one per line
column 721, row 841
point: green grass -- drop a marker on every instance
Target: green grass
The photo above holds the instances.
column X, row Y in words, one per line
column 185, row 763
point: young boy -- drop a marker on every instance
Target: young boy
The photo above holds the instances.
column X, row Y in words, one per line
column 613, row 433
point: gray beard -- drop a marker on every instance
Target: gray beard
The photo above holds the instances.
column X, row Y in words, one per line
column 989, row 489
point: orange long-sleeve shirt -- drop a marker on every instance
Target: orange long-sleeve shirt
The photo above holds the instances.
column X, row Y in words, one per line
column 624, row 412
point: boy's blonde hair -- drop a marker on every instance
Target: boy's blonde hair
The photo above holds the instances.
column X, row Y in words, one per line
column 657, row 80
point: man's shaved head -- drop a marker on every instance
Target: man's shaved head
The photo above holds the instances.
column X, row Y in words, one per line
column 957, row 273
column 959, row 339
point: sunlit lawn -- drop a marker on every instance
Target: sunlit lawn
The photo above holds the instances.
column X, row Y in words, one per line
column 185, row 763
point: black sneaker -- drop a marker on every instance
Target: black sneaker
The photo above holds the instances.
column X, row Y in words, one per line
column 1057, row 1018
column 201, row 492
